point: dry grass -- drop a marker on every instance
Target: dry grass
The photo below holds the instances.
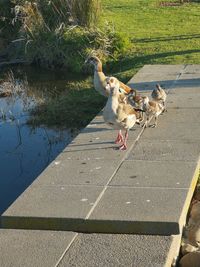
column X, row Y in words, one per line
column 86, row 12
column 61, row 33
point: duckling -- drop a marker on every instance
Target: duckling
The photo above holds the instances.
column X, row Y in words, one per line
column 159, row 95
column 100, row 78
column 152, row 108
column 136, row 101
column 119, row 114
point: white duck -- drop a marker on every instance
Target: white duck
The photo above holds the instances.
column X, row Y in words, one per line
column 100, row 78
column 117, row 113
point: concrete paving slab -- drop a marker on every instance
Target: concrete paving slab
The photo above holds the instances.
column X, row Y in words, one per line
column 180, row 116
column 87, row 144
column 97, row 129
column 96, row 125
column 183, row 101
column 93, row 139
column 90, row 172
column 102, row 151
column 187, row 82
column 32, row 248
column 179, row 89
column 145, row 174
column 149, row 75
column 96, row 250
column 166, row 150
column 107, row 153
column 154, row 78
column 149, row 86
column 49, row 204
column 107, row 135
column 162, row 68
column 140, row 210
column 173, row 131
column 184, row 93
column 192, row 68
column 189, row 77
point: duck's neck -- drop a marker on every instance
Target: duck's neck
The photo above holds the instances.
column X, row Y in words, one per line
column 114, row 103
column 146, row 105
column 98, row 73
column 98, row 67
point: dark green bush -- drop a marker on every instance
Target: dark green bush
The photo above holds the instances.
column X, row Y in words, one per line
column 61, row 33
column 72, row 45
column 8, row 29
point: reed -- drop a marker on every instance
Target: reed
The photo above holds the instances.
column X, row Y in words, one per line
column 86, row 12
column 61, row 33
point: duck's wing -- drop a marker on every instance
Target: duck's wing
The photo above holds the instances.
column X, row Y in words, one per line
column 126, row 88
column 153, row 106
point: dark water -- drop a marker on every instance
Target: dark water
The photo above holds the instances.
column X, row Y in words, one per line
column 26, row 151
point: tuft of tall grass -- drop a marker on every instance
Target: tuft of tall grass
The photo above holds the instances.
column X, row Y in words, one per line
column 8, row 31
column 86, row 12
column 62, row 39
column 61, row 33
column 69, row 48
column 59, row 12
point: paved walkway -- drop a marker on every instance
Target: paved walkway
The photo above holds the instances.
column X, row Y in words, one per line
column 92, row 187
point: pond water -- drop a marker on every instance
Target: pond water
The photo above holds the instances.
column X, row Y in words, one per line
column 26, row 151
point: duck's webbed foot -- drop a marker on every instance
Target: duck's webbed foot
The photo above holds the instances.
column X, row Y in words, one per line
column 139, row 123
column 123, row 147
column 145, row 125
column 119, row 138
column 153, row 125
column 164, row 110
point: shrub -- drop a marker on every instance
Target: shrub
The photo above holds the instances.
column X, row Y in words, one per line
column 69, row 47
column 8, row 31
column 61, row 33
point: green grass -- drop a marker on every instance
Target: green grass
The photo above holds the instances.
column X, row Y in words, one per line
column 73, row 108
column 160, row 35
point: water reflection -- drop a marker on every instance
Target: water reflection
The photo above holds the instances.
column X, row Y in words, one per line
column 26, row 151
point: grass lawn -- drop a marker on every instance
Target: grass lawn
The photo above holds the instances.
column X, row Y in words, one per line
column 159, row 34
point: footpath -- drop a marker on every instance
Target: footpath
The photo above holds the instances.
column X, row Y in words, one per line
column 97, row 206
